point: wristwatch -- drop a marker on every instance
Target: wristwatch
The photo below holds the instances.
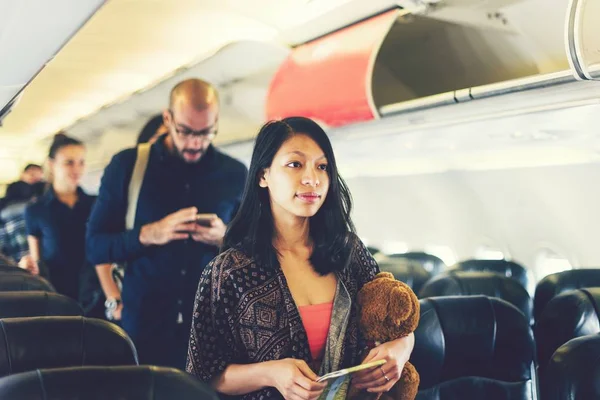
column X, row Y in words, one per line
column 111, row 305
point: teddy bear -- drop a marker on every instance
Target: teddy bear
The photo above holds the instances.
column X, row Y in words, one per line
column 388, row 310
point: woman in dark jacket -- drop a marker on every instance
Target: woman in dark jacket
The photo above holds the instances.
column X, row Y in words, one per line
column 56, row 228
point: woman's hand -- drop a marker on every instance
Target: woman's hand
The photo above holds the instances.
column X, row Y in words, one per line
column 381, row 379
column 294, row 379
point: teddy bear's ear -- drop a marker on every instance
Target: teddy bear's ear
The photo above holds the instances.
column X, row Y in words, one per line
column 387, row 275
column 400, row 304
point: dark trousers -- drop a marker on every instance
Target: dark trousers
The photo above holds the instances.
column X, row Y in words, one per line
column 166, row 347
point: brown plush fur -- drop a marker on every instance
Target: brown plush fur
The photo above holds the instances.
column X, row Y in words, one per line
column 389, row 310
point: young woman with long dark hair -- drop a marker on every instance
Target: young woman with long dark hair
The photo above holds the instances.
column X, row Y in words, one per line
column 277, row 307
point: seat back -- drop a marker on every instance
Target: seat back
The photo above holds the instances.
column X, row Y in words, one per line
column 19, row 282
column 555, row 284
column 95, row 383
column 567, row 316
column 54, row 342
column 432, row 264
column 473, row 347
column 509, row 269
column 11, row 269
column 37, row 304
column 6, row 261
column 467, row 283
column 573, row 371
column 407, row 271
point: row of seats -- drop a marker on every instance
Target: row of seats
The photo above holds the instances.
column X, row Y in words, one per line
column 483, row 348
column 566, row 312
column 474, row 277
column 48, row 350
column 466, row 347
column 418, row 268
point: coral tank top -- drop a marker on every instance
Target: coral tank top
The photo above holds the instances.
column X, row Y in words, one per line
column 316, row 319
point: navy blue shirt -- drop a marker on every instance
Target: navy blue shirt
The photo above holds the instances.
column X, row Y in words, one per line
column 61, row 232
column 160, row 281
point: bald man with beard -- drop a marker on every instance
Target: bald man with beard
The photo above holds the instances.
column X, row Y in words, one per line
column 167, row 250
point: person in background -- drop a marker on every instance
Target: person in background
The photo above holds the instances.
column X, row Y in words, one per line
column 166, row 251
column 13, row 233
column 32, row 174
column 153, row 129
column 279, row 305
column 56, row 227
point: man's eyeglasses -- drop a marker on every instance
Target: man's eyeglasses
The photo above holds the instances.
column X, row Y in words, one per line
column 186, row 133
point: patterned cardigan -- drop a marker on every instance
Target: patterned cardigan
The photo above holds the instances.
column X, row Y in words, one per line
column 244, row 313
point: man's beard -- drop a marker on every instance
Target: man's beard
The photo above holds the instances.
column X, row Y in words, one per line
column 182, row 153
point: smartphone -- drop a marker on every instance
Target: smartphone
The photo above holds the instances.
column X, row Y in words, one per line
column 205, row 219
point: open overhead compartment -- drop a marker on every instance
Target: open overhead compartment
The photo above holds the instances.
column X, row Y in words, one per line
column 422, row 56
column 399, row 56
column 329, row 79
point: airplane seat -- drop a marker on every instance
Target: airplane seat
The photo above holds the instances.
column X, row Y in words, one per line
column 473, row 347
column 505, row 268
column 18, row 282
column 567, row 316
column 472, row 283
column 555, row 284
column 6, row 269
column 373, row 250
column 407, row 271
column 125, row 383
column 54, row 342
column 432, row 264
column 37, row 304
column 573, row 371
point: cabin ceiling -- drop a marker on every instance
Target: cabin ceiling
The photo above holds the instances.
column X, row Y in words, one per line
column 131, row 46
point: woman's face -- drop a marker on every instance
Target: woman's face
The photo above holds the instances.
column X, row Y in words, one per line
column 68, row 165
column 297, row 180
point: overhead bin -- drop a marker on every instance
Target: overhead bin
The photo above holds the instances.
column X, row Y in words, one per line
column 329, row 79
column 395, row 57
column 31, row 33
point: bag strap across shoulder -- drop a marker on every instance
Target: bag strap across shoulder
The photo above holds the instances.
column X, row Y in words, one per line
column 135, row 184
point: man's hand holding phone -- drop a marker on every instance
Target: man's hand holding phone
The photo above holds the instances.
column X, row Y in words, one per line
column 176, row 226
column 209, row 229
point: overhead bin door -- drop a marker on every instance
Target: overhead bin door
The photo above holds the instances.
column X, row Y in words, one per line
column 329, row 79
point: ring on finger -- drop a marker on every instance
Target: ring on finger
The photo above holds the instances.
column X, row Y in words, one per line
column 384, row 375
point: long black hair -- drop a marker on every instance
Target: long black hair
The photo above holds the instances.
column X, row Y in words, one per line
column 331, row 228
